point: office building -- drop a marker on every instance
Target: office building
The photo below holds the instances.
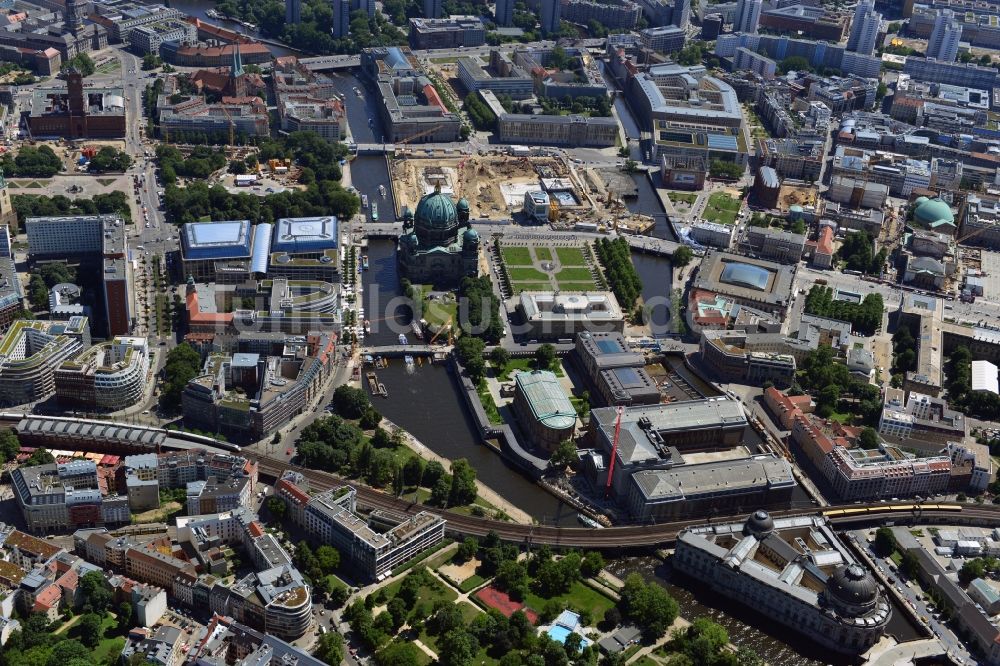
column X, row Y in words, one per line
column 751, row 61
column 664, row 39
column 216, row 251
column 331, row 518
column 681, row 14
column 549, row 18
column 447, row 33
column 503, row 76
column 778, row 245
column 864, row 28
column 250, row 396
column 293, row 12
column 807, row 20
column 752, row 358
column 56, row 496
column 794, row 571
column 504, row 13
column 30, row 353
column 919, row 421
column 233, row 117
column 109, row 376
column 747, row 15
column 945, row 37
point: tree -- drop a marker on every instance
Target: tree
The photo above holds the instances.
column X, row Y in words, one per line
column 124, row 617
column 467, row 549
column 95, row 591
column 276, row 506
column 457, row 648
column 648, row 605
column 67, row 651
column 545, row 356
column 327, row 558
column 39, row 456
column 350, row 402
column 794, row 64
column 682, row 256
column 885, row 542
column 725, row 170
column 971, row 570
column 512, row 577
column 469, row 351
column 370, row 419
column 564, row 455
column 398, row 654
column 330, row 648
column 182, row 365
column 9, row 445
column 500, row 357
column 433, row 472
column 463, row 483
column 89, row 628
column 413, row 470
column 592, row 563
column 868, row 439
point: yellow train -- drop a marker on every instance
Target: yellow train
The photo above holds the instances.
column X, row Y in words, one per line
column 888, row 508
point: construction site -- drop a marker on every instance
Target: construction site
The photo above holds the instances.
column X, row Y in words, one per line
column 495, row 186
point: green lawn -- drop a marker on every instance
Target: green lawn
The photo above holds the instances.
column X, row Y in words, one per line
column 577, row 286
column 896, row 557
column 526, row 363
column 437, row 312
column 489, row 405
column 570, row 256
column 517, row 256
column 110, row 646
column 683, row 197
column 471, row 583
column 526, row 274
column 574, row 275
column 530, row 286
column 722, row 208
column 435, row 591
column 543, row 253
column 579, row 598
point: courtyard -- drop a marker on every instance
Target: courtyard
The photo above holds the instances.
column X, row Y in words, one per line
column 722, row 208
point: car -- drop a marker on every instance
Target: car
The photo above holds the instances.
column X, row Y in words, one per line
column 288, row 452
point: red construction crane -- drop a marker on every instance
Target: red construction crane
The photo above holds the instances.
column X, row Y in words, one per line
column 614, row 452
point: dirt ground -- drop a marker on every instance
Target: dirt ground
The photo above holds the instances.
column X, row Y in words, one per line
column 460, row 572
column 792, row 194
column 477, row 178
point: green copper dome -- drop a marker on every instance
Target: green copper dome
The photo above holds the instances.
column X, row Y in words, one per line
column 435, row 211
column 463, row 204
column 929, row 211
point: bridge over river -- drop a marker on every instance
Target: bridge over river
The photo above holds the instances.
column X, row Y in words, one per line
column 645, row 244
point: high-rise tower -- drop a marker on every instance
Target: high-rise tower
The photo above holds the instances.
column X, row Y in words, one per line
column 505, row 13
column 747, row 16
column 341, row 18
column 293, row 11
column 550, row 16
column 864, row 28
column 947, row 33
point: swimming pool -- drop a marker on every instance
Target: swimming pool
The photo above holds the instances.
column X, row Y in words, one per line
column 558, row 633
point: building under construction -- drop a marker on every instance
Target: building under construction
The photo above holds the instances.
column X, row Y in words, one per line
column 412, row 108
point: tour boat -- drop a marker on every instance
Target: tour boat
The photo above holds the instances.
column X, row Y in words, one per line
column 364, row 201
column 402, row 339
column 364, row 262
column 588, row 521
column 381, row 190
column 374, row 212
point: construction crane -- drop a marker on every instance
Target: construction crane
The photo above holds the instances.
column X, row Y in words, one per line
column 232, row 125
column 614, row 452
column 446, row 327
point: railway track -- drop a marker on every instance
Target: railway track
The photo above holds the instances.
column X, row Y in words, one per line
column 624, row 537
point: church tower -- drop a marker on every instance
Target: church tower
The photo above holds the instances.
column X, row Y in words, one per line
column 237, row 86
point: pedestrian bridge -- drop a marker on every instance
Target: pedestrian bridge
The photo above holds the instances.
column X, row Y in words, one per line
column 376, row 148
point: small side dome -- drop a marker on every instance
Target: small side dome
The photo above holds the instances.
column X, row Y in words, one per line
column 463, row 204
column 759, row 524
column 471, row 235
